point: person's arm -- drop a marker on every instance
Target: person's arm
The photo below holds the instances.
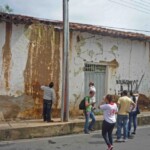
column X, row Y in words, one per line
column 118, row 103
column 133, row 105
column 42, row 87
column 116, row 109
column 102, row 102
column 87, row 103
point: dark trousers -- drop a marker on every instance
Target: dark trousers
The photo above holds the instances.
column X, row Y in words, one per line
column 132, row 119
column 47, row 108
column 107, row 129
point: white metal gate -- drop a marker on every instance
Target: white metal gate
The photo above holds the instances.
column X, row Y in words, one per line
column 97, row 74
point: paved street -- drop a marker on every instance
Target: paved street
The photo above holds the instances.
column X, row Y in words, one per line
column 93, row 141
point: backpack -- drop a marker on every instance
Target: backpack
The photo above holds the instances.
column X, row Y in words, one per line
column 82, row 104
column 134, row 98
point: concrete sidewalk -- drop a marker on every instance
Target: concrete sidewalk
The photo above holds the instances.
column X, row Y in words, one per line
column 26, row 129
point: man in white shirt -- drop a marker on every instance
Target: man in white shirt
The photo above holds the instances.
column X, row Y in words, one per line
column 93, row 89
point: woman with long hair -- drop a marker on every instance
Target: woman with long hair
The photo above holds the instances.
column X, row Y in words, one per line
column 109, row 110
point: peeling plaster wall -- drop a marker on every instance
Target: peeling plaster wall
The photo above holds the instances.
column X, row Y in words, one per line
column 2, row 41
column 30, row 56
column 125, row 60
column 18, row 46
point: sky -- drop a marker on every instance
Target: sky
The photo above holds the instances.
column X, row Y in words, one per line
column 124, row 14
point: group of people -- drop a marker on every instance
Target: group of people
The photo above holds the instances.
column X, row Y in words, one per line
column 122, row 114
column 126, row 110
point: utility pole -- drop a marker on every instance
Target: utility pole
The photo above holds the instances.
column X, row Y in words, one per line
column 65, row 66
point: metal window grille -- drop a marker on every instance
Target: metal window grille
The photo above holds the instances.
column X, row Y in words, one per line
column 94, row 68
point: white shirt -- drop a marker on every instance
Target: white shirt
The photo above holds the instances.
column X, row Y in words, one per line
column 109, row 112
column 93, row 99
column 49, row 93
column 92, row 88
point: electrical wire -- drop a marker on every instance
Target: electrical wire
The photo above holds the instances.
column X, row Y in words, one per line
column 127, row 29
column 146, row 12
column 142, row 3
column 136, row 4
column 145, row 2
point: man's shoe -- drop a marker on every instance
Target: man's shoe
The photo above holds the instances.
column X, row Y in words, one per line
column 119, row 140
column 130, row 137
column 125, row 140
column 133, row 133
column 86, row 132
column 91, row 129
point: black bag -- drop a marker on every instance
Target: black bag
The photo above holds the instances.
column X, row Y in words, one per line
column 137, row 110
column 82, row 104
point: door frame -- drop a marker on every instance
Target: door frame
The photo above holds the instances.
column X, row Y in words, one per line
column 106, row 74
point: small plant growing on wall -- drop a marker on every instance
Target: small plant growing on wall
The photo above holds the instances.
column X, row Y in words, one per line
column 6, row 9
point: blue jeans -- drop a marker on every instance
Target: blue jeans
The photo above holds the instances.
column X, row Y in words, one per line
column 47, row 107
column 132, row 119
column 122, row 121
column 88, row 126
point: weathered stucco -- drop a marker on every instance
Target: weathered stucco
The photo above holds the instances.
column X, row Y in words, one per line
column 43, row 63
column 6, row 53
column 125, row 60
column 30, row 58
column 31, row 55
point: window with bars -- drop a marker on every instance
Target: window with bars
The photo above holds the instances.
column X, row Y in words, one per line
column 94, row 68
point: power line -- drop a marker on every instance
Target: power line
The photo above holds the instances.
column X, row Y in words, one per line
column 141, row 4
column 145, row 2
column 136, row 5
column 129, row 7
column 127, row 29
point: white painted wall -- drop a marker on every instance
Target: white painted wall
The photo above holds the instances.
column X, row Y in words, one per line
column 2, row 41
column 19, row 51
column 133, row 58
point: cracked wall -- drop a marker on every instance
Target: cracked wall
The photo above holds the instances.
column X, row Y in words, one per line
column 123, row 58
column 31, row 57
column 6, row 55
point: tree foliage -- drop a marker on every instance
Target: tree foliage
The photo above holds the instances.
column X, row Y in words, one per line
column 6, row 9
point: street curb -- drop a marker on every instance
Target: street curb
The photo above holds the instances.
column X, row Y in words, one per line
column 54, row 130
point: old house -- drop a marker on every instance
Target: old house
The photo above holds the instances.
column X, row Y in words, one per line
column 31, row 55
